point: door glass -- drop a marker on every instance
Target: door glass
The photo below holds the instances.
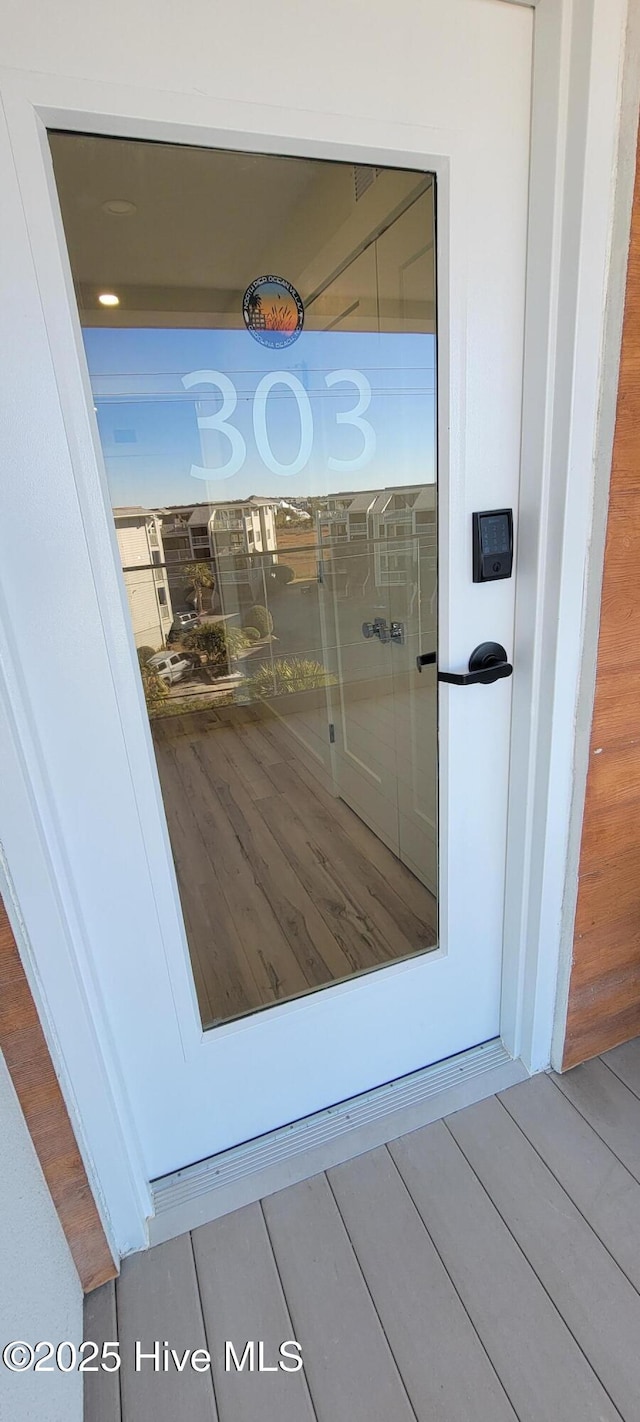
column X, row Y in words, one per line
column 260, row 334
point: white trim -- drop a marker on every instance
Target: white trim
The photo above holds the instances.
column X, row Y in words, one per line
column 49, row 928
column 248, row 1172
column 578, row 50
column 88, row 1074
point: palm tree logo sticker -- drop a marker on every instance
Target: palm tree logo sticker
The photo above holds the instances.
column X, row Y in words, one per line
column 256, row 320
column 273, row 312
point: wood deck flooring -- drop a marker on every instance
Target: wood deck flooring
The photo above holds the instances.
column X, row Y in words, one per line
column 283, row 888
column 483, row 1269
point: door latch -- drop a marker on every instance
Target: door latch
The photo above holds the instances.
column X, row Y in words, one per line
column 487, row 663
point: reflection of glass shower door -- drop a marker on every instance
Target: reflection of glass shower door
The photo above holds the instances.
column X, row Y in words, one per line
column 362, row 710
column 379, row 612
column 384, row 716
column 413, row 607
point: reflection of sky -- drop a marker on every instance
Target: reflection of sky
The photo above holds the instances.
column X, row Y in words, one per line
column 149, row 421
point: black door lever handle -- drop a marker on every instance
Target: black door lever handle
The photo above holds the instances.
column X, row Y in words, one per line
column 488, row 663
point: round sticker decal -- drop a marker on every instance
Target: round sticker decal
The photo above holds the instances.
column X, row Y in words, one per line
column 273, row 312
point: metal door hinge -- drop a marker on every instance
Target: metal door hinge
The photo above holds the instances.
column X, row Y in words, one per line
column 332, row 733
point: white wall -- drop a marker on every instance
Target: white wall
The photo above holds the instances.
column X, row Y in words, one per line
column 40, row 1293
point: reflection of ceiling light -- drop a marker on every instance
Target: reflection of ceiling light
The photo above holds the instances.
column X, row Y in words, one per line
column 107, row 298
column 118, row 207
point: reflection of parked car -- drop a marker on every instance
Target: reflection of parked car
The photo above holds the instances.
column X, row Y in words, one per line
column 171, row 666
column 184, row 621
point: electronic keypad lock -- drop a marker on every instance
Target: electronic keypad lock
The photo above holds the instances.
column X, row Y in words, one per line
column 492, row 545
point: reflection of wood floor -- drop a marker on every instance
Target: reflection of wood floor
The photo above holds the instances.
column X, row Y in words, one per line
column 283, row 888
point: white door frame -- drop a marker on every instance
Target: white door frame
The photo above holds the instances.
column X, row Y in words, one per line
column 579, row 52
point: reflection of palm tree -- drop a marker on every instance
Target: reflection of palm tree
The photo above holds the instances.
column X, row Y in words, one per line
column 200, row 576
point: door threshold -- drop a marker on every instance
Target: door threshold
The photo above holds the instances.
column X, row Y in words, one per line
column 203, row 1192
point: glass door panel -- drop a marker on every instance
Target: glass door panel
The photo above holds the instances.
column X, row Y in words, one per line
column 260, row 335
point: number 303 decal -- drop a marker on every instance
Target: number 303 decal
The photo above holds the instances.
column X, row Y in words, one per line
column 221, row 420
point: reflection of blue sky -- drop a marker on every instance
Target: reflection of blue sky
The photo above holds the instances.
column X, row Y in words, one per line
column 149, row 422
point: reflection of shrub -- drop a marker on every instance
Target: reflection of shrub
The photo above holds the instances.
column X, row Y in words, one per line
column 210, row 642
column 259, row 617
column 155, row 689
column 216, row 643
column 289, row 674
column 237, row 639
column 252, row 634
column 281, row 574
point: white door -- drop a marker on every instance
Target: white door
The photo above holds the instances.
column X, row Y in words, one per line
column 264, row 942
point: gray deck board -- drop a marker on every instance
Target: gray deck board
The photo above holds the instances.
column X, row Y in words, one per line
column 599, row 1305
column 543, row 1370
column 445, row 1368
column 483, row 1269
column 602, row 1188
column 625, row 1062
column 242, row 1299
column 609, row 1106
column 101, row 1389
column 349, row 1365
column 158, row 1299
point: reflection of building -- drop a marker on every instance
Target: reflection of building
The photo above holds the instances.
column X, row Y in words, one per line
column 397, row 515
column 241, row 526
column 223, row 535
column 139, row 534
column 344, row 517
column 177, row 551
column 229, row 534
column 390, row 520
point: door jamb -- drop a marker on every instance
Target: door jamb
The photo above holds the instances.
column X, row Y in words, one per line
column 576, row 130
